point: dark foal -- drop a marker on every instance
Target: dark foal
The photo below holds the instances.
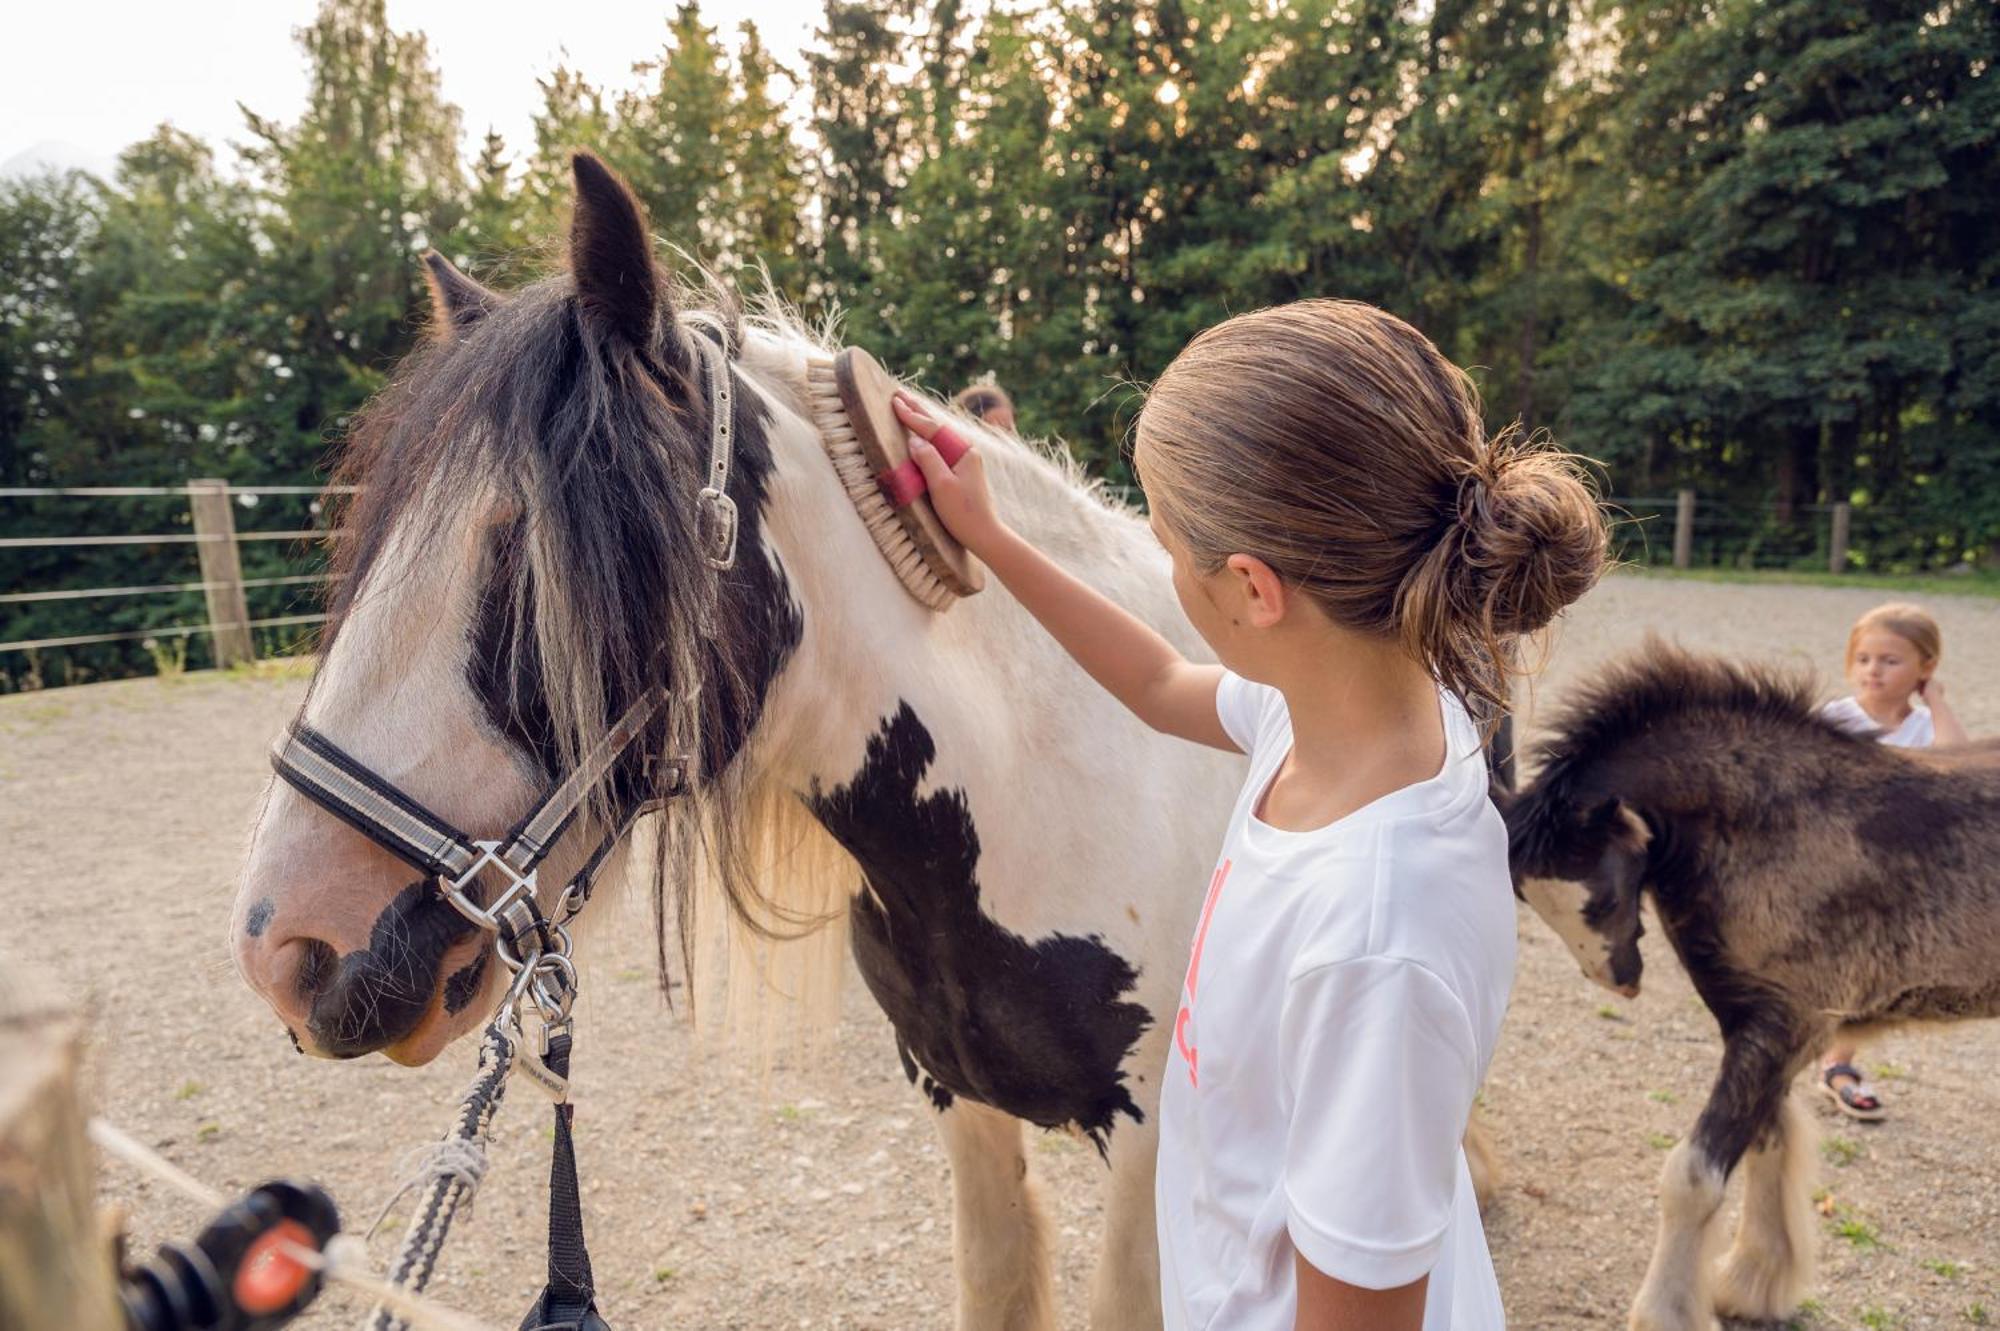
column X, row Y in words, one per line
column 1813, row 882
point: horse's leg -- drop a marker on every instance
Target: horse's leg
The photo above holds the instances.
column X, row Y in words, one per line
column 1768, row 1269
column 1000, row 1247
column 1742, row 1108
column 1125, row 1289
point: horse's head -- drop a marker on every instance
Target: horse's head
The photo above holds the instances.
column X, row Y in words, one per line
column 526, row 557
column 1580, row 862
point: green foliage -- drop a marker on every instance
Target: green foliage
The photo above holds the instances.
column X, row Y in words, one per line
column 1742, row 245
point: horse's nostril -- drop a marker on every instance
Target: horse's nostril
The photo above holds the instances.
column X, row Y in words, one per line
column 318, row 963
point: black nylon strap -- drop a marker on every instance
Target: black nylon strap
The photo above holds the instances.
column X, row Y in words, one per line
column 568, row 1301
column 359, row 821
column 448, row 838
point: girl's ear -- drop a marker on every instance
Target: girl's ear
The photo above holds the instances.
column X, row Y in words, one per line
column 1261, row 592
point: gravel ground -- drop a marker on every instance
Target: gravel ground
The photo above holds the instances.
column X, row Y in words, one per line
column 810, row 1191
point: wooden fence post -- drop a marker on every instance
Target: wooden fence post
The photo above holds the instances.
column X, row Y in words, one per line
column 55, row 1264
column 1836, row 559
column 228, row 612
column 1684, row 529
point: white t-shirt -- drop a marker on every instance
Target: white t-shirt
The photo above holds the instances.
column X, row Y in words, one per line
column 1343, row 996
column 1917, row 731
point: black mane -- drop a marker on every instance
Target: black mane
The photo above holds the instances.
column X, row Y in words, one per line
column 1630, row 697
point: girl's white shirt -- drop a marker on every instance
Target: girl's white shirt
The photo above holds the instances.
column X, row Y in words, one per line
column 1918, row 731
column 1344, row 994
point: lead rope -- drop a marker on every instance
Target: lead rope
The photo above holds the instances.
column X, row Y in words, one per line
column 452, row 1178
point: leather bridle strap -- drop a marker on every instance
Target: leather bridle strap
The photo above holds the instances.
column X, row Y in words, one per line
column 344, row 786
column 347, row 788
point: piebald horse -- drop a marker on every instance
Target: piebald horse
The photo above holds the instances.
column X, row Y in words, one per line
column 1018, row 859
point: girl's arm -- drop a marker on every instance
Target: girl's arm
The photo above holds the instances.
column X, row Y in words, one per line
column 1949, row 729
column 1121, row 652
column 1326, row 1304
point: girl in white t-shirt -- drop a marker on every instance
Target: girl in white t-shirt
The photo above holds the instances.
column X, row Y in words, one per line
column 1892, row 660
column 1359, row 555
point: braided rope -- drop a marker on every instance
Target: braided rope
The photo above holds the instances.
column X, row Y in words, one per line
column 452, row 1170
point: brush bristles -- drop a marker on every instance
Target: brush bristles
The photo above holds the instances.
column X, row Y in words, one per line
column 857, row 477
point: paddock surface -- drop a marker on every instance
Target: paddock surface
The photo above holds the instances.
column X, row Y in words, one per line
column 812, row 1193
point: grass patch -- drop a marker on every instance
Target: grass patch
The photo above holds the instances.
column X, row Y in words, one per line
column 189, row 1090
column 1939, row 1267
column 1661, row 1097
column 662, row 1274
column 1880, row 1319
column 1892, row 1072
column 1808, row 1315
column 1979, row 582
column 1857, row 1232
column 1840, row 1150
column 1609, row 1013
column 1661, row 1141
column 1978, row 1316
column 208, row 1132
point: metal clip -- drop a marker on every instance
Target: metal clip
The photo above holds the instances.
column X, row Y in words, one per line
column 718, row 512
column 519, row 885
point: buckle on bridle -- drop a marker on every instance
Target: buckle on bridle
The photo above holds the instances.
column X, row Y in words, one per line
column 718, row 527
column 519, row 886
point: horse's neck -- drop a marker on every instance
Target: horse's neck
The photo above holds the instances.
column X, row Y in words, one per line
column 989, row 686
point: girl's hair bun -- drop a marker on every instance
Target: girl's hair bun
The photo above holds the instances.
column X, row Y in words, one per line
column 1534, row 535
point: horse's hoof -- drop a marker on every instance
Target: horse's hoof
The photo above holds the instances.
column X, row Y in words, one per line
column 1752, row 1288
column 1674, row 1314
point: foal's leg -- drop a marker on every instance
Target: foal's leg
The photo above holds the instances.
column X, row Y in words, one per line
column 1125, row 1289
column 1000, row 1247
column 1743, row 1107
column 1767, row 1271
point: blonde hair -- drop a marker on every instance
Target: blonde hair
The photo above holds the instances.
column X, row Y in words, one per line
column 1332, row 441
column 1912, row 623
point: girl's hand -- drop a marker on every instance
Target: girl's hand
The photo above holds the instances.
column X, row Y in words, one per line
column 958, row 493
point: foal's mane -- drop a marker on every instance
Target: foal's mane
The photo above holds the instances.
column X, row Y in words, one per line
column 1662, row 683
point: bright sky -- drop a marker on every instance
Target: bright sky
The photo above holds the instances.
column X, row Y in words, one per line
column 100, row 74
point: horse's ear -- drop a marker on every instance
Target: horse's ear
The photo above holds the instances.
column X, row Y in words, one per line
column 457, row 302
column 611, row 254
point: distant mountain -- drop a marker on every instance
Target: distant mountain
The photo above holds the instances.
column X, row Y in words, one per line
column 55, row 155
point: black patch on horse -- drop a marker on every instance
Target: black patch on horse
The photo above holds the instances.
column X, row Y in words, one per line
column 1038, row 1029
column 372, row 998
column 259, row 918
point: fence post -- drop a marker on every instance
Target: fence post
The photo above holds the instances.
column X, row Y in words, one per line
column 1684, row 529
column 228, row 612
column 1836, row 559
column 55, row 1265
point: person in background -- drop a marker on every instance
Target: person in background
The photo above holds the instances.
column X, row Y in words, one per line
column 988, row 403
column 1892, row 660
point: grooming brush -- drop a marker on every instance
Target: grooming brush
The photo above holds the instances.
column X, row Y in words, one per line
column 851, row 395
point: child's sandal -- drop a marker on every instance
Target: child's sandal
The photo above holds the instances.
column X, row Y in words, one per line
column 1854, row 1099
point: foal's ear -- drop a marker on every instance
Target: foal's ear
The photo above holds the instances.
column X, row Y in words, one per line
column 611, row 254
column 457, row 302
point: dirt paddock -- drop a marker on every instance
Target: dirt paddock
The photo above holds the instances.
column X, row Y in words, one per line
column 813, row 1193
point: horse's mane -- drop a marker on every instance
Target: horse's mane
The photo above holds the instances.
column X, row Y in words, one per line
column 1661, row 682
